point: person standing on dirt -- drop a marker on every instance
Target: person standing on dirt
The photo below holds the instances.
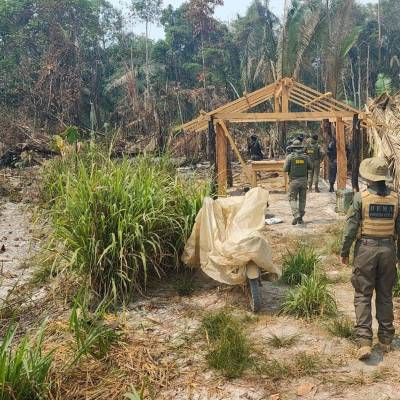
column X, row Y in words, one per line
column 316, row 154
column 373, row 221
column 332, row 165
column 297, row 165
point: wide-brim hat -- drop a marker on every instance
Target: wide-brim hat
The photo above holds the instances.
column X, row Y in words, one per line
column 375, row 169
column 297, row 143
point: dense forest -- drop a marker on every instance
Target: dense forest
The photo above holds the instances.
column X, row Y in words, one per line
column 77, row 62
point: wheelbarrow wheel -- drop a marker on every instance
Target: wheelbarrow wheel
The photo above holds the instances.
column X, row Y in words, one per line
column 254, row 294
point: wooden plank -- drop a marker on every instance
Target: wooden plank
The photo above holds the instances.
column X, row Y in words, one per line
column 295, row 98
column 222, row 157
column 289, row 116
column 285, row 98
column 341, row 154
column 308, row 97
column 212, row 155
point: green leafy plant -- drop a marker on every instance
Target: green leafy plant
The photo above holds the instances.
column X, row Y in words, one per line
column 121, row 222
column 24, row 368
column 91, row 334
column 296, row 264
column 310, row 299
column 383, row 84
column 229, row 346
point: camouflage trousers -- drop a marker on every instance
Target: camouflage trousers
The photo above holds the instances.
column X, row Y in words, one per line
column 313, row 174
column 374, row 269
column 298, row 196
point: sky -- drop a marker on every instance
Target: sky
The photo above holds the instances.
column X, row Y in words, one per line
column 225, row 13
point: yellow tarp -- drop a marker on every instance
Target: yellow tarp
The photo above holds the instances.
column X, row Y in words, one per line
column 227, row 236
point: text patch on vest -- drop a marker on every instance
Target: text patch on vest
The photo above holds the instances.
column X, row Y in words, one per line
column 381, row 211
column 299, row 161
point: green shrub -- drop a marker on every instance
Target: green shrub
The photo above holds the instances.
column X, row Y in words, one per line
column 310, row 299
column 342, row 327
column 229, row 346
column 121, row 222
column 24, row 369
column 299, row 263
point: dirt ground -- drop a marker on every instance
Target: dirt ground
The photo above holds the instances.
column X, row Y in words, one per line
column 169, row 324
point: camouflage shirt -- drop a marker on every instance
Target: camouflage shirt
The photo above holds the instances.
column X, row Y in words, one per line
column 353, row 222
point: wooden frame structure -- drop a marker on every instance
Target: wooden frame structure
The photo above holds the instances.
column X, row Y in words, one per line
column 318, row 106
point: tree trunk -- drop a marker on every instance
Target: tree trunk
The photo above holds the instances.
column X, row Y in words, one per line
column 355, row 153
column 147, row 65
column 367, row 86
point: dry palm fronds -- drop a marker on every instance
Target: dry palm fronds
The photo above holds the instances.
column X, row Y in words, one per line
column 384, row 137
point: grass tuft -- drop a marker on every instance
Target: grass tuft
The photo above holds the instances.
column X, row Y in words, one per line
column 334, row 243
column 24, row 368
column 310, row 299
column 119, row 222
column 229, row 347
column 342, row 327
column 296, row 264
column 282, row 341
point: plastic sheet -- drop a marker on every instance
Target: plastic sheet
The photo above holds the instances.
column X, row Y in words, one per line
column 228, row 235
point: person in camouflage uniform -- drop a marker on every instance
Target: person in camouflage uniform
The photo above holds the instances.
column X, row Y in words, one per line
column 373, row 221
column 297, row 165
column 316, row 155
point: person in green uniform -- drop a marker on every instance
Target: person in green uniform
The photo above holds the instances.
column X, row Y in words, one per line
column 297, row 165
column 373, row 221
column 316, row 154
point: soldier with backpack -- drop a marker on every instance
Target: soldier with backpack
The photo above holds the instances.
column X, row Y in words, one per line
column 316, row 155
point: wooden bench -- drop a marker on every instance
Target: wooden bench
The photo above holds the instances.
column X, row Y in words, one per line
column 267, row 166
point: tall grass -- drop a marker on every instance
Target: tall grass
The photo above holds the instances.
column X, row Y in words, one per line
column 301, row 262
column 229, row 346
column 24, row 368
column 120, row 222
column 310, row 299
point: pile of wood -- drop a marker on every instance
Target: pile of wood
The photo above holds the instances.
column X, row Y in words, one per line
column 384, row 137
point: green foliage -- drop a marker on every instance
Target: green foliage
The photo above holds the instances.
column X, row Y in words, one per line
column 342, row 327
column 184, row 283
column 91, row 334
column 383, row 84
column 310, row 299
column 120, row 222
column 229, row 346
column 24, row 368
column 301, row 262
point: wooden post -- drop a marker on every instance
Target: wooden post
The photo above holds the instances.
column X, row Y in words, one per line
column 222, row 161
column 285, row 109
column 327, row 137
column 355, row 153
column 230, row 173
column 212, row 155
column 341, row 154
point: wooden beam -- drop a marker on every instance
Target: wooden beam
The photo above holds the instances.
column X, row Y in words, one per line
column 245, row 167
column 328, row 94
column 285, row 97
column 341, row 154
column 222, row 157
column 288, row 116
column 212, row 155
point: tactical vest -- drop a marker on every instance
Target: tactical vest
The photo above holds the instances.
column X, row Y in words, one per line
column 313, row 151
column 298, row 166
column 379, row 214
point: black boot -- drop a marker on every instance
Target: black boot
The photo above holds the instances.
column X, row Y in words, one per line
column 331, row 188
column 295, row 220
column 300, row 220
column 317, row 188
